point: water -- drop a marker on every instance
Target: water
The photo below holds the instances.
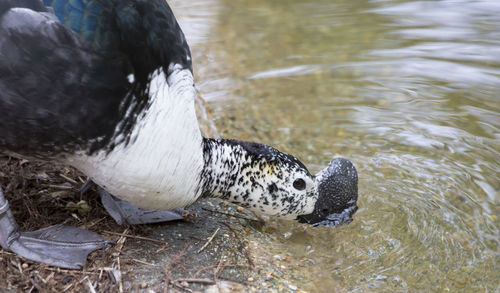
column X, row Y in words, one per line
column 409, row 91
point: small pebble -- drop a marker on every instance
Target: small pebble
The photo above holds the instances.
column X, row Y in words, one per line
column 25, row 265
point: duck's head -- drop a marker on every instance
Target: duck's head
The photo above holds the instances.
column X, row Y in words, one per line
column 270, row 182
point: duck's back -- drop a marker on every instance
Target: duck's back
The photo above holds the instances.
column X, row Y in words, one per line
column 77, row 79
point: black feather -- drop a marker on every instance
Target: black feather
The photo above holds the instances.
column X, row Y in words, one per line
column 63, row 80
column 56, row 94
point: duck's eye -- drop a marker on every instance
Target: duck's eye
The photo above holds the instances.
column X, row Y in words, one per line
column 299, row 184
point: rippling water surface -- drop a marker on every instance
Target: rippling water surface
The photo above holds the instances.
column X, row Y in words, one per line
column 410, row 92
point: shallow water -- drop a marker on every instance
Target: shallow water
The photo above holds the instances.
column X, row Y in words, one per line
column 407, row 90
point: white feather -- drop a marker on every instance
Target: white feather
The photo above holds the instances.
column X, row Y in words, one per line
column 160, row 168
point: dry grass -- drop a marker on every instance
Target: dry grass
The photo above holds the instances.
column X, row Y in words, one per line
column 42, row 194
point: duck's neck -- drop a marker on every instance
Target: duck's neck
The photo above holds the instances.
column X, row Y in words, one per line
column 223, row 164
column 237, row 171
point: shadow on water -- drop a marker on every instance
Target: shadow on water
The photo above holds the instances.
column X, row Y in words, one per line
column 406, row 89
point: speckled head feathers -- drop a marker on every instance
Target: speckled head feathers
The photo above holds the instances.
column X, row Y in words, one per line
column 269, row 182
column 258, row 177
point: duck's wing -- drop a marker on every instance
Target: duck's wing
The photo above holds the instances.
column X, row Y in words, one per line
column 56, row 93
column 70, row 71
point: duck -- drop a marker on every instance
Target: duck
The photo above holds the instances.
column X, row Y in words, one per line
column 107, row 87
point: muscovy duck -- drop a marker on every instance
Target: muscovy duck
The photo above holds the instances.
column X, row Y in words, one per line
column 107, row 86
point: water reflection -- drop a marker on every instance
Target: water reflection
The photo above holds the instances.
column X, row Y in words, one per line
column 406, row 89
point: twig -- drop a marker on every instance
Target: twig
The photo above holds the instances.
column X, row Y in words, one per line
column 91, row 287
column 20, row 268
column 217, row 270
column 201, row 281
column 120, row 243
column 209, row 240
column 68, row 179
column 143, row 262
column 136, row 237
column 67, row 287
column 64, row 187
column 95, row 223
column 48, row 278
column 162, row 248
column 178, row 285
column 120, row 282
column 59, row 270
column 121, row 240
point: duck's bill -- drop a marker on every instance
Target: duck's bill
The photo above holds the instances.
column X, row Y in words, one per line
column 335, row 219
column 338, row 193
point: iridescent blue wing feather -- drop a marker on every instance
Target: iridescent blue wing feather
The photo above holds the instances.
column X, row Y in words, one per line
column 90, row 19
